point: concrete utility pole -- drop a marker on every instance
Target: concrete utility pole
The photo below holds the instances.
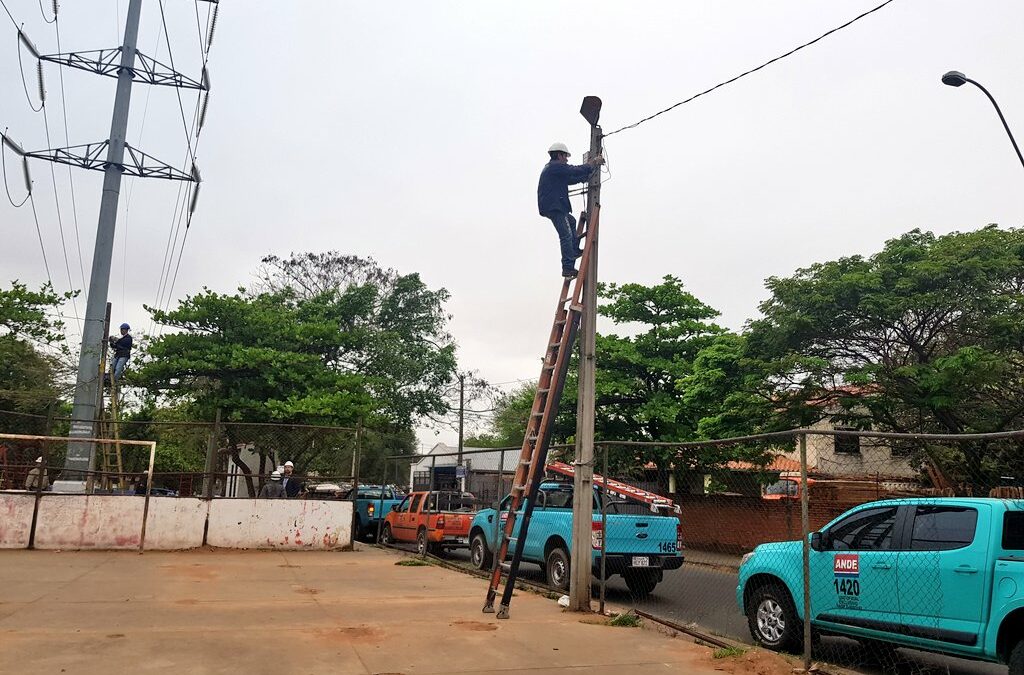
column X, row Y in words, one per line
column 583, row 479
column 80, row 453
column 462, row 419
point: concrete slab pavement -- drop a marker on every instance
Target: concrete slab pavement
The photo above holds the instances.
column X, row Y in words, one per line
column 207, row 611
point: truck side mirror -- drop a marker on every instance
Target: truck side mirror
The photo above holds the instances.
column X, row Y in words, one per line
column 817, row 541
column 394, row 507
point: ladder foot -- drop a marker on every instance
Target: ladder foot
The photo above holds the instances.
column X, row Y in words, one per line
column 502, row 612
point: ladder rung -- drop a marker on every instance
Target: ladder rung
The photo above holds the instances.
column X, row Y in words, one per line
column 555, row 344
column 560, row 322
column 525, row 462
column 539, row 414
column 519, row 488
column 543, row 391
column 576, row 308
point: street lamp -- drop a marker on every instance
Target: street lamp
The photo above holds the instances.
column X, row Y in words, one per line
column 955, row 78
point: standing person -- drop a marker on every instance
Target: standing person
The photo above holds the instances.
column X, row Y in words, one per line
column 122, row 347
column 290, row 482
column 273, row 489
column 553, row 200
column 37, row 478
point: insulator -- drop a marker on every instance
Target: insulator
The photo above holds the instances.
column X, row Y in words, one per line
column 195, row 199
column 42, row 88
column 28, row 44
column 196, row 177
column 55, row 6
column 28, row 178
column 206, row 79
column 202, row 111
column 213, row 27
column 10, row 143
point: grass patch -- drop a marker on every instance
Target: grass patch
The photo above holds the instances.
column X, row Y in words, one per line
column 627, row 620
column 728, row 652
column 412, row 562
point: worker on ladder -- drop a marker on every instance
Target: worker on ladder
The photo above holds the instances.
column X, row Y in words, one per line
column 122, row 347
column 553, row 200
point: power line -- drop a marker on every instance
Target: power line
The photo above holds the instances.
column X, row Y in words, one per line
column 752, row 70
column 39, row 234
column 181, row 106
column 67, row 141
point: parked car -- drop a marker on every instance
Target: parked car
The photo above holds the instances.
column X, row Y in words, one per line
column 436, row 521
column 939, row 574
column 639, row 545
column 372, row 503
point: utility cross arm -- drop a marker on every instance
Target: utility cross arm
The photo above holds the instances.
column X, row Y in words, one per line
column 655, row 501
column 92, row 156
column 146, row 69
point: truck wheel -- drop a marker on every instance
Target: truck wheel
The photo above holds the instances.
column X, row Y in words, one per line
column 1016, row 660
column 772, row 618
column 479, row 554
column 386, row 538
column 557, row 568
column 421, row 542
column 640, row 584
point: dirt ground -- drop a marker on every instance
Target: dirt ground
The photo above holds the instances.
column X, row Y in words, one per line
column 305, row 612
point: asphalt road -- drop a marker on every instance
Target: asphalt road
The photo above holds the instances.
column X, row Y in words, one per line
column 705, row 597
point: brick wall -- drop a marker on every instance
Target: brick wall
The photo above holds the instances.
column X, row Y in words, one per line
column 727, row 524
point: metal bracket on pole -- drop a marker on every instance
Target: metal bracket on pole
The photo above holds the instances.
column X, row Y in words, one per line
column 94, row 156
column 107, row 62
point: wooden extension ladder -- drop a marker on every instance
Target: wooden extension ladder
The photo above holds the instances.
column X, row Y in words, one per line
column 530, row 470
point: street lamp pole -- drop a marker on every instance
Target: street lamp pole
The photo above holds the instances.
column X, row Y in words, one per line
column 955, row 78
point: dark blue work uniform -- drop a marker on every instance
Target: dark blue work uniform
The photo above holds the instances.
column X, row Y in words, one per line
column 553, row 203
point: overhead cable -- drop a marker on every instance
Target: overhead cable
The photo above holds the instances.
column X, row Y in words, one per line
column 752, row 70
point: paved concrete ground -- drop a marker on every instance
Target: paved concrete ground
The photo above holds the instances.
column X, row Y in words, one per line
column 301, row 612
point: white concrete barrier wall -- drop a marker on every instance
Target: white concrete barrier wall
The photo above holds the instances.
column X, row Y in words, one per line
column 15, row 519
column 280, row 524
column 115, row 522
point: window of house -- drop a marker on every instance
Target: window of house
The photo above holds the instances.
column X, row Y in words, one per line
column 867, row 530
column 943, row 528
column 847, row 445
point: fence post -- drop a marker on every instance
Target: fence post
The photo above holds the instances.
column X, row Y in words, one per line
column 805, row 530
column 380, row 509
column 149, row 491
column 211, row 454
column 497, row 513
column 604, row 523
column 355, row 481
column 430, row 492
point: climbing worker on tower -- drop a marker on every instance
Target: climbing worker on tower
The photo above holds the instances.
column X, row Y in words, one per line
column 553, row 200
column 122, row 347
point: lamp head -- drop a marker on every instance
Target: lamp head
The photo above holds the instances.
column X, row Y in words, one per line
column 954, row 78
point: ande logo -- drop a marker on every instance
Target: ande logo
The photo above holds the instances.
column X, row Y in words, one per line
column 847, row 565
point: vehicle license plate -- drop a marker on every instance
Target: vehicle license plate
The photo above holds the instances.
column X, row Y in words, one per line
column 641, row 561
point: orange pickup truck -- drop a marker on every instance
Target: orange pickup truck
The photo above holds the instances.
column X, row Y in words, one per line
column 436, row 521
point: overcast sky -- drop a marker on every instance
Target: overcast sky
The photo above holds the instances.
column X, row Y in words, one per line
column 413, row 132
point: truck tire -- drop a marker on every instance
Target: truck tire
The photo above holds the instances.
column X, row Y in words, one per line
column 479, row 554
column 1016, row 660
column 641, row 583
column 556, row 567
column 358, row 531
column 386, row 537
column 772, row 619
column 422, row 547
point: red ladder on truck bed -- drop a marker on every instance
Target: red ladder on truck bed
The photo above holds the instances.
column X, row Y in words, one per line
column 655, row 501
column 530, row 470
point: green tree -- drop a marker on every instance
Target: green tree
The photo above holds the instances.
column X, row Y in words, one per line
column 33, row 351
column 924, row 336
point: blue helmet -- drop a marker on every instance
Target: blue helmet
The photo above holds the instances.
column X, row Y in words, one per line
column 126, row 326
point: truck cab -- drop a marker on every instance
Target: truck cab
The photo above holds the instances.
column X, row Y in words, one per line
column 943, row 575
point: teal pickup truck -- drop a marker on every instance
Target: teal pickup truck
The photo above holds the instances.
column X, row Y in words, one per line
column 639, row 545
column 372, row 504
column 939, row 574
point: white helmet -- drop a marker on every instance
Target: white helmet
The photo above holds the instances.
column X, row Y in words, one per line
column 275, row 475
column 559, row 147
